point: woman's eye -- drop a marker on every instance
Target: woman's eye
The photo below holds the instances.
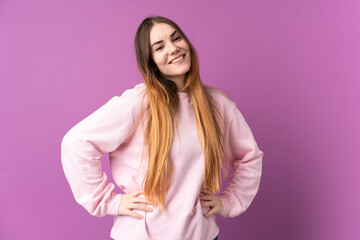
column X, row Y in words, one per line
column 177, row 38
column 159, row 48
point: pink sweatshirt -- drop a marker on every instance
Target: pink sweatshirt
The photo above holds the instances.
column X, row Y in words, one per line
column 112, row 129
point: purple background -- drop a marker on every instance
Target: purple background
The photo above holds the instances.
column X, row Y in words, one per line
column 293, row 68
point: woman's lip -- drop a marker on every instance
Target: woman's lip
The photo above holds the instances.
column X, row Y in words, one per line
column 177, row 58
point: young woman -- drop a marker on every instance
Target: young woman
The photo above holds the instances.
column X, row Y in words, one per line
column 170, row 141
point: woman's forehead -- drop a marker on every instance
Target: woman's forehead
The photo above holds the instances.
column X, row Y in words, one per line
column 160, row 31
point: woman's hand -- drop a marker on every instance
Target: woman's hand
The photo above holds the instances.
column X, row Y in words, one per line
column 209, row 199
column 131, row 201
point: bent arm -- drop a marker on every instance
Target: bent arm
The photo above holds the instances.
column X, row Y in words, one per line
column 81, row 149
column 245, row 158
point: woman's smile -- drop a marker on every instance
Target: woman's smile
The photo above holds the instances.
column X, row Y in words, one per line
column 178, row 60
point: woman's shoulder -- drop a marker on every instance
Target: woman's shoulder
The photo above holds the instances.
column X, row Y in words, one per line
column 218, row 95
column 133, row 93
column 222, row 101
column 132, row 98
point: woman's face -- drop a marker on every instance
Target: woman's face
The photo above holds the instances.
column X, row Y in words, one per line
column 170, row 51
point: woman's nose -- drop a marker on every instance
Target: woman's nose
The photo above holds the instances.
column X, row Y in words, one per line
column 173, row 49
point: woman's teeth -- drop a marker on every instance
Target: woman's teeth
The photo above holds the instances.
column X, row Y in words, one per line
column 178, row 59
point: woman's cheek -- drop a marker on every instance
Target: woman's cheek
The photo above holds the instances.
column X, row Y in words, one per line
column 164, row 59
column 160, row 59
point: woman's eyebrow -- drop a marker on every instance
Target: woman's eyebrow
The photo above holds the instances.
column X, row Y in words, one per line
column 162, row 40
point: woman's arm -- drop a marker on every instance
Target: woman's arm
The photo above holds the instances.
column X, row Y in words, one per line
column 245, row 158
column 82, row 147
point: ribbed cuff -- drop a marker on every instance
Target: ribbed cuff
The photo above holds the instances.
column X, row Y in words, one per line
column 114, row 204
column 226, row 206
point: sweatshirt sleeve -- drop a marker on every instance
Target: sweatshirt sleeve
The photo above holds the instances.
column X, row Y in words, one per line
column 82, row 147
column 245, row 158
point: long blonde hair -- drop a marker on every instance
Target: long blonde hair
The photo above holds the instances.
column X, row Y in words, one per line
column 162, row 106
